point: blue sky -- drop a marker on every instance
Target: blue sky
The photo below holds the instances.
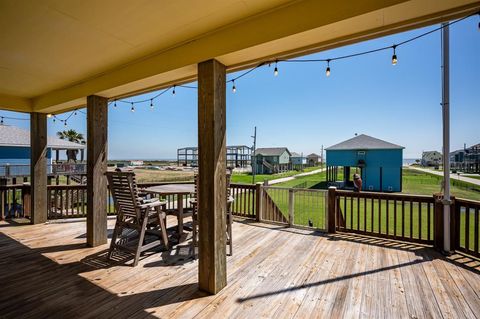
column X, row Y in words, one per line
column 302, row 109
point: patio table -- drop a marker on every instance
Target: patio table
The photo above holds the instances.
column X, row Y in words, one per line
column 174, row 189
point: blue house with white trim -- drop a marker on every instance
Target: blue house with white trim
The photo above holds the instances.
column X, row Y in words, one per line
column 15, row 150
column 378, row 162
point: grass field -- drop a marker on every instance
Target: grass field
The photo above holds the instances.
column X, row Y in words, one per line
column 245, row 178
column 148, row 175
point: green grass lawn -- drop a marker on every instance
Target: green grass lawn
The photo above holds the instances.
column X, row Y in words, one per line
column 245, row 178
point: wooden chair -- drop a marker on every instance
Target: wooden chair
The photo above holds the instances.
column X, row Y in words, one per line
column 229, row 217
column 136, row 217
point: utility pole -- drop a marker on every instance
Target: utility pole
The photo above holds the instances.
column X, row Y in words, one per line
column 321, row 157
column 254, row 158
column 446, row 135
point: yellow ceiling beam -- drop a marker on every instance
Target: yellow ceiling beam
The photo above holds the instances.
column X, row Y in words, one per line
column 302, row 27
column 287, row 20
column 15, row 103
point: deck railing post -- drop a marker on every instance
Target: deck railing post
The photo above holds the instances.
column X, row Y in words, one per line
column 258, row 201
column 438, row 220
column 331, row 209
column 291, row 205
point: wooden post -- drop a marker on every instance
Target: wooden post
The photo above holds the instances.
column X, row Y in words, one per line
column 331, row 210
column 291, row 206
column 97, row 112
column 438, row 223
column 258, row 201
column 438, row 227
column 212, row 204
column 38, row 167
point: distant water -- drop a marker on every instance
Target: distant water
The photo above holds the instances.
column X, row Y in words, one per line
column 409, row 161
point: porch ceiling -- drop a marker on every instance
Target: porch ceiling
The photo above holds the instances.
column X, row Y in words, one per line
column 54, row 53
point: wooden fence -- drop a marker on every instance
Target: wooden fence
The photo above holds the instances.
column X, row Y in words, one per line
column 294, row 206
column 245, row 202
column 395, row 216
column 69, row 201
column 466, row 224
column 403, row 217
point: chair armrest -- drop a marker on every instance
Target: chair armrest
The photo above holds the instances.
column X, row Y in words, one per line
column 152, row 204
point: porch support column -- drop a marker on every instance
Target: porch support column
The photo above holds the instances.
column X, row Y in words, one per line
column 212, row 198
column 38, row 167
column 97, row 112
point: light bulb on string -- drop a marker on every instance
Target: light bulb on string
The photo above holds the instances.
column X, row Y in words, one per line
column 394, row 56
column 65, row 123
column 75, row 113
column 1, row 121
column 115, row 103
column 133, row 108
column 54, row 119
column 234, row 88
column 49, row 115
column 327, row 71
column 173, row 92
column 275, row 72
column 151, row 104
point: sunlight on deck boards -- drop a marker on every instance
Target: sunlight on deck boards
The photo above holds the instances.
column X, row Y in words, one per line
column 275, row 272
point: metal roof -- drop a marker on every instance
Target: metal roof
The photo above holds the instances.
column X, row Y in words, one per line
column 15, row 136
column 272, row 151
column 295, row 154
column 364, row 142
column 313, row 155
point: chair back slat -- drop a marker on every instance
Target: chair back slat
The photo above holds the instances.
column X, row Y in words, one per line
column 124, row 190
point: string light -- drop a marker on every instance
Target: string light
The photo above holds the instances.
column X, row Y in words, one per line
column 275, row 72
column 328, row 70
column 394, row 56
column 53, row 120
column 65, row 123
column 1, row 121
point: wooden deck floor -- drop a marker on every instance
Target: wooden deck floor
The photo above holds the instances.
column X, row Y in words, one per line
column 46, row 271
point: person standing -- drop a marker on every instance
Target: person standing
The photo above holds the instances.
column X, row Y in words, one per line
column 357, row 183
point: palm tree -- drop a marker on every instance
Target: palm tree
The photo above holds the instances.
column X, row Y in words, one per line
column 71, row 136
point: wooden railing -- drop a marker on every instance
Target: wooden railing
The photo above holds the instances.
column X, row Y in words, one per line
column 466, row 224
column 245, row 199
column 396, row 216
column 66, row 201
column 69, row 201
column 11, row 200
column 403, row 217
column 294, row 206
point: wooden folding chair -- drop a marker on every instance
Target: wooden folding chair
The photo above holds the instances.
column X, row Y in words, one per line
column 229, row 216
column 136, row 217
